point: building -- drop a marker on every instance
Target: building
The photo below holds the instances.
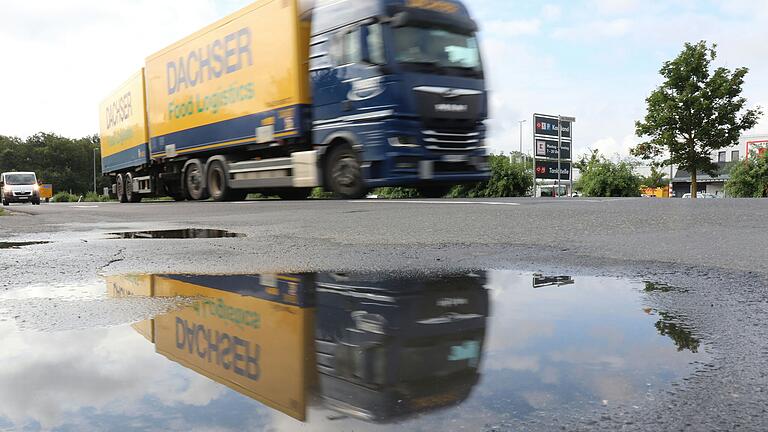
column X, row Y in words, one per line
column 723, row 158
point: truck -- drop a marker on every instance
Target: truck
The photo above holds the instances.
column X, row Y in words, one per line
column 287, row 95
column 379, row 349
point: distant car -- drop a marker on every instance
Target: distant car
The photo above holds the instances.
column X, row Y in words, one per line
column 701, row 195
column 19, row 187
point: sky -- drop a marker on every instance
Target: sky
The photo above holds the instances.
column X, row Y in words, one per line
column 596, row 60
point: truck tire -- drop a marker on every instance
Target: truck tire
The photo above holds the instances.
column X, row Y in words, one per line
column 120, row 188
column 130, row 195
column 294, row 194
column 194, row 180
column 437, row 191
column 6, row 203
column 344, row 174
column 218, row 184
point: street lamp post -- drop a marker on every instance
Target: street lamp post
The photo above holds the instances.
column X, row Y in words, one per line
column 521, row 134
column 94, row 169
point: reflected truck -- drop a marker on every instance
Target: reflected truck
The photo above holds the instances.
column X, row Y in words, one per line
column 374, row 349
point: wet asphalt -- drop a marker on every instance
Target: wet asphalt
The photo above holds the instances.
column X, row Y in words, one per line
column 712, row 251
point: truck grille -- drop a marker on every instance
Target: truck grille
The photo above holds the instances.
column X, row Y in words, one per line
column 22, row 193
column 444, row 140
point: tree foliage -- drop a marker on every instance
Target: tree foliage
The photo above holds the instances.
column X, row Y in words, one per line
column 601, row 177
column 696, row 111
column 749, row 178
column 65, row 163
column 508, row 179
column 656, row 179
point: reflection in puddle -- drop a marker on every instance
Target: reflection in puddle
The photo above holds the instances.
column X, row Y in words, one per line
column 189, row 233
column 19, row 245
column 352, row 352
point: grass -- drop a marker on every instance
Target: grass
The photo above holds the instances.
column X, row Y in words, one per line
column 3, row 213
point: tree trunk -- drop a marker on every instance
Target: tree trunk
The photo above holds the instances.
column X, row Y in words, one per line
column 694, row 186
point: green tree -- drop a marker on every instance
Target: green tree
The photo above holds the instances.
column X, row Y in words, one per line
column 602, row 178
column 655, row 179
column 66, row 163
column 508, row 179
column 695, row 111
column 749, row 178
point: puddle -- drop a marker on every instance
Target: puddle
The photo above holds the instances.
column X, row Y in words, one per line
column 347, row 352
column 19, row 245
column 190, row 233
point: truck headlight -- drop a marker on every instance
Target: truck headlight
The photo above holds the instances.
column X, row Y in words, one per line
column 404, row 141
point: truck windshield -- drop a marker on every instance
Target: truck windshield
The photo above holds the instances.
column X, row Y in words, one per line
column 437, row 49
column 20, row 179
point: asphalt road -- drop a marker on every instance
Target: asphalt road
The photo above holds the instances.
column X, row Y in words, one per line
column 713, row 250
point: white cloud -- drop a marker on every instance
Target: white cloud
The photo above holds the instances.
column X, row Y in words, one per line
column 67, row 56
column 614, row 7
column 513, row 27
column 100, row 370
column 551, row 12
column 595, row 30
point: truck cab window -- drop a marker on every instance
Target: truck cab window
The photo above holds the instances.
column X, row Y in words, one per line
column 353, row 52
column 375, row 41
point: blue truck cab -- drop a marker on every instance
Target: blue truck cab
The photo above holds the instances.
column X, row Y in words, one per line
column 399, row 95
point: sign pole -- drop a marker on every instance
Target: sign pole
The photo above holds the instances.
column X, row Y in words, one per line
column 533, row 153
column 570, row 174
column 559, row 150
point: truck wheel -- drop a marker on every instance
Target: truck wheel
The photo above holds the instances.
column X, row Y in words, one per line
column 120, row 189
column 294, row 194
column 194, row 181
column 218, row 184
column 439, row 191
column 6, row 203
column 344, row 175
column 130, row 195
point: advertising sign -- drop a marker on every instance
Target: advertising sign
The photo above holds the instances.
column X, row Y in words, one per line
column 547, row 170
column 547, row 126
column 546, row 148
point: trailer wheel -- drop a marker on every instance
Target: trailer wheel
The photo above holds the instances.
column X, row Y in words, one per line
column 194, row 181
column 344, row 174
column 218, row 184
column 130, row 196
column 120, row 189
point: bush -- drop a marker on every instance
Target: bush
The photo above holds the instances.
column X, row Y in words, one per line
column 396, row 193
column 94, row 197
column 320, row 193
column 508, row 179
column 63, row 197
column 749, row 179
column 602, row 178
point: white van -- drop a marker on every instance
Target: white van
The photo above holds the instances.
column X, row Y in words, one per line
column 19, row 187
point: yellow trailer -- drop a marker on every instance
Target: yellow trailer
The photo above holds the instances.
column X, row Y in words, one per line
column 240, row 81
column 123, row 124
column 259, row 344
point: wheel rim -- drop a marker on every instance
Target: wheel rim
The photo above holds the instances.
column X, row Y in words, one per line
column 120, row 188
column 346, row 173
column 194, row 181
column 129, row 187
column 216, row 182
